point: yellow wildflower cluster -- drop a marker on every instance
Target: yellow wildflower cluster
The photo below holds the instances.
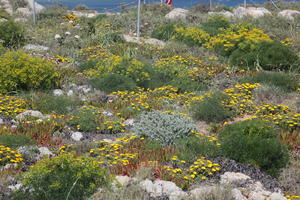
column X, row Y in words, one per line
column 192, row 35
column 292, row 197
column 205, row 73
column 178, row 65
column 231, row 38
column 211, row 139
column 71, row 17
column 199, row 170
column 8, row 156
column 113, row 153
column 287, row 41
column 97, row 52
column 281, row 115
column 111, row 127
column 60, row 59
column 11, row 106
column 241, row 98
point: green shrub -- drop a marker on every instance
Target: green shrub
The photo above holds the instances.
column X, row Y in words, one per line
column 15, row 140
column 165, row 31
column 22, row 71
column 214, row 24
column 211, row 109
column 4, row 14
column 11, row 34
column 113, row 82
column 192, row 147
column 254, row 142
column 286, row 82
column 265, row 55
column 85, row 119
column 191, row 36
column 56, row 11
column 185, row 84
column 63, row 177
column 59, row 104
column 162, row 127
column 89, row 64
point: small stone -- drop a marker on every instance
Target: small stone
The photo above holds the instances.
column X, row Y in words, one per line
column 237, row 195
column 277, row 196
column 77, row 136
column 1, row 121
column 177, row 13
column 123, row 180
column 57, row 36
column 235, row 179
column 107, row 113
column 256, row 196
column 58, row 92
column 35, row 47
column 67, row 33
column 70, row 93
column 44, row 151
column 15, row 187
column 129, row 122
column 199, row 192
column 31, row 113
column 77, row 37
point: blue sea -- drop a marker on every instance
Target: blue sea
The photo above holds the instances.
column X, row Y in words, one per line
column 115, row 5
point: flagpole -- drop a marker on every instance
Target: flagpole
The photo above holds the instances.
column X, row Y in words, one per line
column 138, row 19
column 33, row 11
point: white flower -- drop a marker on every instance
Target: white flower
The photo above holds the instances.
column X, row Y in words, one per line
column 67, row 33
column 77, row 36
column 57, row 36
column 71, row 22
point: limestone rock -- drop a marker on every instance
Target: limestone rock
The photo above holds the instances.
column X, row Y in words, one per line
column 289, row 14
column 177, row 13
column 58, row 92
column 237, row 195
column 123, row 180
column 36, row 47
column 241, row 12
column 151, row 41
column 88, row 14
column 235, row 179
column 77, row 136
column 31, row 113
column 225, row 14
column 21, row 19
column 277, row 196
column 24, row 11
column 45, row 151
column 197, row 193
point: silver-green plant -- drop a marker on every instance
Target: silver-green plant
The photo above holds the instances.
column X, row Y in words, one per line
column 162, row 127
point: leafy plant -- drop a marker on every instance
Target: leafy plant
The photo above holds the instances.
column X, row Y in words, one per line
column 22, row 71
column 215, row 24
column 63, row 177
column 113, row 82
column 211, row 109
column 15, row 140
column 165, row 31
column 191, row 36
column 12, row 34
column 254, row 142
column 163, row 127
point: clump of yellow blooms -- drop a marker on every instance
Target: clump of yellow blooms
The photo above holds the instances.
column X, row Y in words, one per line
column 111, row 127
column 60, row 59
column 191, row 34
column 11, row 106
column 9, row 156
column 71, row 17
column 237, row 36
column 201, row 169
column 287, row 41
column 292, row 197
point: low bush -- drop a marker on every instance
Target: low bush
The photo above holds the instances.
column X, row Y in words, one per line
column 12, row 34
column 89, row 64
column 285, row 81
column 63, row 177
column 191, row 36
column 22, row 71
column 15, row 140
column 214, row 25
column 265, row 55
column 254, row 142
column 162, row 127
column 56, row 11
column 165, row 32
column 113, row 82
column 59, row 104
column 185, row 84
column 211, row 109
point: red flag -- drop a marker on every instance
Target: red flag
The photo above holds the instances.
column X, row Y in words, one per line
column 170, row 2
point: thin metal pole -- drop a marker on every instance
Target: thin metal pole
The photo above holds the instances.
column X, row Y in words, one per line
column 33, row 11
column 245, row 3
column 138, row 19
column 210, row 4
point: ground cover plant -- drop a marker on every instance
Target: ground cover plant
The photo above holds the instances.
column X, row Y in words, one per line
column 81, row 105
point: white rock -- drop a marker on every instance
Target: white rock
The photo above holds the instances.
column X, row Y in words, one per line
column 77, row 136
column 123, row 180
column 256, row 196
column 240, row 12
column 3, row 20
column 58, row 92
column 107, row 113
column 154, row 42
column 32, row 113
column 38, row 7
column 232, row 178
column 44, row 151
column 15, row 187
column 225, row 14
column 57, row 36
column 21, row 19
column 70, row 93
column 178, row 195
column 89, row 14
column 289, row 14
column 198, row 193
column 237, row 195
column 277, row 196
column 1, row 121
column 35, row 47
column 24, row 11
column 177, row 13
column 77, row 37
column 129, row 122
column 151, row 41
column 67, row 33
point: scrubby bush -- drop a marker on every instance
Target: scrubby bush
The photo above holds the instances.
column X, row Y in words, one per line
column 162, row 127
column 63, row 177
column 165, row 31
column 211, row 109
column 89, row 64
column 113, row 82
column 285, row 81
column 22, row 71
column 191, row 36
column 265, row 55
column 56, row 11
column 185, row 84
column 59, row 104
column 254, row 142
column 214, row 25
column 15, row 140
column 85, row 118
column 12, row 34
